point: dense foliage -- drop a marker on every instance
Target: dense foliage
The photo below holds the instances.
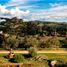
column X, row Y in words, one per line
column 24, row 35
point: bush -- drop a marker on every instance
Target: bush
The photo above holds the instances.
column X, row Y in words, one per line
column 53, row 42
column 33, row 52
column 12, row 60
column 64, row 43
column 18, row 59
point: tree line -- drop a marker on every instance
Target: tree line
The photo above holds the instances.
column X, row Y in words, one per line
column 41, row 34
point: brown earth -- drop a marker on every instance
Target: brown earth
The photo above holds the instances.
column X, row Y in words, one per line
column 42, row 51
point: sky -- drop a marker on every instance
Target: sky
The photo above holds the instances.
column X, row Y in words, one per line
column 43, row 10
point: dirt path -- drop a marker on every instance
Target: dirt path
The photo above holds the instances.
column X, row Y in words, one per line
column 25, row 52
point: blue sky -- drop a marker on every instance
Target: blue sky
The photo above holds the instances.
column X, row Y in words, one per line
column 46, row 10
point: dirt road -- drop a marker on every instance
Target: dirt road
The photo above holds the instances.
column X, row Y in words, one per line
column 25, row 52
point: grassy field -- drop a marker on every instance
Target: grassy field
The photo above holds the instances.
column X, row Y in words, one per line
column 55, row 56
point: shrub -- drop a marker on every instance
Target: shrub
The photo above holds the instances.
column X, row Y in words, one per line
column 64, row 43
column 33, row 52
column 18, row 59
column 53, row 42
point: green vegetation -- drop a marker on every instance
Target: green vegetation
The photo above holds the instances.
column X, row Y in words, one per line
column 63, row 56
column 33, row 36
column 56, row 56
column 3, row 59
column 18, row 34
column 19, row 58
column 53, row 42
column 33, row 52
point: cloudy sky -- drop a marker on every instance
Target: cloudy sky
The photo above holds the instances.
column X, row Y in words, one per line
column 46, row 10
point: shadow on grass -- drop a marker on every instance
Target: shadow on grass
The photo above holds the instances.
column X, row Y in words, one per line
column 27, row 55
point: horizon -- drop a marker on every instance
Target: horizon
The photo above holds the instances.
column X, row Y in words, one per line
column 31, row 10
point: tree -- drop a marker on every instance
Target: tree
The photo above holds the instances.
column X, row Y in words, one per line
column 12, row 42
column 53, row 42
column 43, row 41
column 32, row 28
column 64, row 43
column 32, row 41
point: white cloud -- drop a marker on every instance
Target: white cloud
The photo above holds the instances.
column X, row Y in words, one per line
column 15, row 12
column 16, row 2
column 3, row 9
column 56, row 12
column 54, row 5
column 19, row 13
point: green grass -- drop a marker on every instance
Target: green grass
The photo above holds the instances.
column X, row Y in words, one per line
column 49, row 55
column 3, row 59
column 55, row 56
column 2, row 55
